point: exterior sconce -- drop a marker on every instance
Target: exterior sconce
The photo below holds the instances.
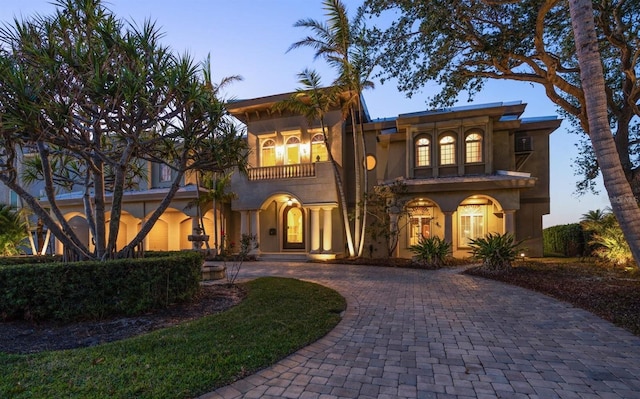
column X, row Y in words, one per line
column 289, row 202
column 279, row 151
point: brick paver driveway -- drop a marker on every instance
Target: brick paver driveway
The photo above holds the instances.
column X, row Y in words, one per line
column 439, row 334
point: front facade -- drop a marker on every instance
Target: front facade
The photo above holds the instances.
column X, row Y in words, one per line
column 466, row 172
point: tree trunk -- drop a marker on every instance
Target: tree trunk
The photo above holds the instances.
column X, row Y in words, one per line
column 623, row 202
column 357, row 225
column 342, row 197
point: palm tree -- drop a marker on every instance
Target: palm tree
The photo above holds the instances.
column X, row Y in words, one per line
column 338, row 43
column 623, row 202
column 313, row 101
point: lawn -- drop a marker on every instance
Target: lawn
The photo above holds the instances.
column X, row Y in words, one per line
column 277, row 317
column 611, row 293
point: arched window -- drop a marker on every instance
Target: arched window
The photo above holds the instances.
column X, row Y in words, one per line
column 473, row 148
column 268, row 153
column 448, row 150
column 292, row 151
column 423, row 152
column 318, row 148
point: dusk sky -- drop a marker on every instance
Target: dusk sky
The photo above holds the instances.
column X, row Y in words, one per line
column 250, row 38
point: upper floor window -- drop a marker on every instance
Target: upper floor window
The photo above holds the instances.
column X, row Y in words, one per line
column 423, row 152
column 165, row 173
column 448, row 150
column 473, row 148
column 292, row 151
column 268, row 153
column 318, row 148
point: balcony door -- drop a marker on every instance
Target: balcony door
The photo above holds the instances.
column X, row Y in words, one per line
column 294, row 228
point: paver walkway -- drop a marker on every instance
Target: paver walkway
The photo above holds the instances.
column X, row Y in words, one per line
column 439, row 334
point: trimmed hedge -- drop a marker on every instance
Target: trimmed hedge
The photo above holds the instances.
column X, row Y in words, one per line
column 566, row 240
column 94, row 290
column 29, row 260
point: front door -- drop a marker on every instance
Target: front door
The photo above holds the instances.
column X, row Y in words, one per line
column 294, row 228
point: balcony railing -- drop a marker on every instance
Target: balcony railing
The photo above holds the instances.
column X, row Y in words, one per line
column 283, row 172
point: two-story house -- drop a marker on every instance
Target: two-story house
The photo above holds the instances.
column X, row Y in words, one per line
column 468, row 171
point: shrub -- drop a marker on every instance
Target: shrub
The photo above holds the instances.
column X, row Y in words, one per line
column 431, row 251
column 496, row 251
column 565, row 240
column 612, row 246
column 92, row 290
column 13, row 232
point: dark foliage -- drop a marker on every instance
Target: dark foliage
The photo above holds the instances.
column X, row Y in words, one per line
column 566, row 240
column 92, row 290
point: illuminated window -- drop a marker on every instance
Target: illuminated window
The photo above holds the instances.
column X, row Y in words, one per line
column 473, row 148
column 423, row 152
column 292, row 151
column 318, row 148
column 448, row 150
column 268, row 153
column 420, row 224
column 471, row 223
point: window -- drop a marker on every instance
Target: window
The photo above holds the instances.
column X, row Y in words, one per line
column 268, row 153
column 448, row 150
column 473, row 148
column 423, row 152
column 318, row 148
column 13, row 199
column 471, row 223
column 165, row 173
column 420, row 224
column 292, row 151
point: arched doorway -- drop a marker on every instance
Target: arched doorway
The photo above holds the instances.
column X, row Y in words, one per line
column 293, row 222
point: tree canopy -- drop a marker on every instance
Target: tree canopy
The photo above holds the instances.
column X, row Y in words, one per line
column 92, row 98
column 461, row 44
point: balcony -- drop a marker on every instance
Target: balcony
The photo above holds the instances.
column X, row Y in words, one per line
column 282, row 172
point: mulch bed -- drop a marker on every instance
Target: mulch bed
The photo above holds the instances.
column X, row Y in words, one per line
column 29, row 337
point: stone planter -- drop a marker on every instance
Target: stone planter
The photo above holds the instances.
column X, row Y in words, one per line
column 211, row 270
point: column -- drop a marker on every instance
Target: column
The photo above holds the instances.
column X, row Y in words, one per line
column 327, row 230
column 255, row 231
column 510, row 221
column 448, row 227
column 315, row 230
column 244, row 222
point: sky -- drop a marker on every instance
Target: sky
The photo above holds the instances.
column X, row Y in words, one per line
column 250, row 38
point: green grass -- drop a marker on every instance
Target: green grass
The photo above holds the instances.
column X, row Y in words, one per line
column 277, row 317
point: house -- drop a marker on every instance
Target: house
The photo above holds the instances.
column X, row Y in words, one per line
column 467, row 171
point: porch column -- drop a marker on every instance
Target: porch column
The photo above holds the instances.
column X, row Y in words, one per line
column 509, row 221
column 244, row 222
column 448, row 227
column 327, row 230
column 255, row 230
column 315, row 230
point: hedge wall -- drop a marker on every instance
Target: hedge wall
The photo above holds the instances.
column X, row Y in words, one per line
column 565, row 240
column 93, row 290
